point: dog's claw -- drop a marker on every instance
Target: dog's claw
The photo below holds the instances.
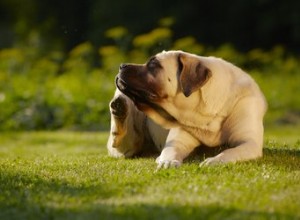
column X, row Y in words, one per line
column 165, row 164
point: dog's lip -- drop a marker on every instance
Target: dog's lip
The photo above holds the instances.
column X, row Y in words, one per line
column 135, row 93
column 121, row 84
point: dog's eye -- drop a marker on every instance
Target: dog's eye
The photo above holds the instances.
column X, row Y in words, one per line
column 153, row 64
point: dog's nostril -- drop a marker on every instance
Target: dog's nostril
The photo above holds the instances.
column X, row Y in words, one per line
column 123, row 66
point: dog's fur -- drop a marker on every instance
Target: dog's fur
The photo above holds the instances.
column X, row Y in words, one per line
column 178, row 101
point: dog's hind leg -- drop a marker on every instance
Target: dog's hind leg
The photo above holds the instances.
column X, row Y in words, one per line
column 119, row 112
column 244, row 133
column 124, row 138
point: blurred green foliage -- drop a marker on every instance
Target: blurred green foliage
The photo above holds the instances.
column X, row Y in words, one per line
column 72, row 91
column 65, row 24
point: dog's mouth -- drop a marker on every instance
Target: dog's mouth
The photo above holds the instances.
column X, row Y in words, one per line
column 136, row 94
column 142, row 96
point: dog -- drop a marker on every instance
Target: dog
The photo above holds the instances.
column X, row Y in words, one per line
column 178, row 101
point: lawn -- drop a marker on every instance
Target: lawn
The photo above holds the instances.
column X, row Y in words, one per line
column 68, row 175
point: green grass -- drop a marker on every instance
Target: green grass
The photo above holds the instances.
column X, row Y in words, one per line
column 68, row 175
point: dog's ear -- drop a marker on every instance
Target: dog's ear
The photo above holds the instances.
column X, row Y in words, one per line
column 192, row 73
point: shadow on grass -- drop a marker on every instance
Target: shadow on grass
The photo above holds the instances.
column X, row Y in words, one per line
column 136, row 211
column 287, row 158
column 25, row 196
column 37, row 196
column 280, row 157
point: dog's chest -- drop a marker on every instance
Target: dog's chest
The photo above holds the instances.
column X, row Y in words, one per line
column 207, row 130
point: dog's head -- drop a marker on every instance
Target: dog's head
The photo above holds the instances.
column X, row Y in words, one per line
column 166, row 83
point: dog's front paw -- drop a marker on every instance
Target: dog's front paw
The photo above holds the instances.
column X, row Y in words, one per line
column 118, row 107
column 165, row 164
column 211, row 161
column 219, row 159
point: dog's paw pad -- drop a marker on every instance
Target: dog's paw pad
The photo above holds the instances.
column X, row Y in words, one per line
column 118, row 107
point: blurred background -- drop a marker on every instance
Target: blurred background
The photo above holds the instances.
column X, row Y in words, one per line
column 59, row 58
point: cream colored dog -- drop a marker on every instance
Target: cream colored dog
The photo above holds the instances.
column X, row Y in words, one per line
column 178, row 101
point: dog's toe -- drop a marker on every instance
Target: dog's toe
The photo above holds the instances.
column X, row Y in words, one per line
column 165, row 164
column 118, row 107
column 212, row 161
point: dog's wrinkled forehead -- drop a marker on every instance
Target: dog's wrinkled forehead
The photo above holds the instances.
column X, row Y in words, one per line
column 166, row 55
column 168, row 58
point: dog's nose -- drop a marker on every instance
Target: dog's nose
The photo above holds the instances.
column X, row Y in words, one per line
column 123, row 66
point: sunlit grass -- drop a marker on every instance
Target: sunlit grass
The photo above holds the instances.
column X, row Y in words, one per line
column 68, row 175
